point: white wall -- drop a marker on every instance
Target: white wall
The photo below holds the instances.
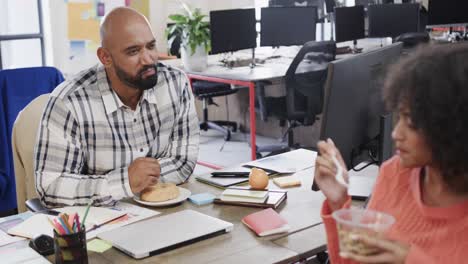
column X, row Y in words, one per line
column 159, row 11
column 59, row 25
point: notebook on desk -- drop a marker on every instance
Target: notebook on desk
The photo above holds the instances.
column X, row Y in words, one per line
column 221, row 182
column 237, row 171
column 274, row 198
column 163, row 233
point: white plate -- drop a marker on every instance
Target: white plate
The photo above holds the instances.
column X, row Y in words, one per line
column 183, row 195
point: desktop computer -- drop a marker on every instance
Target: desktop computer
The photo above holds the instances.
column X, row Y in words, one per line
column 233, row 30
column 392, row 20
column 330, row 6
column 349, row 25
column 365, row 3
column 447, row 13
column 354, row 115
column 286, row 26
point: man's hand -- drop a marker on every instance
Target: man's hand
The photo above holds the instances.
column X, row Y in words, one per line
column 390, row 251
column 142, row 173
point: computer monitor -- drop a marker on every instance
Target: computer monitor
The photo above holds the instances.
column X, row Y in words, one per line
column 447, row 12
column 353, row 105
column 330, row 6
column 286, row 26
column 349, row 23
column 317, row 3
column 392, row 20
column 365, row 3
column 232, row 30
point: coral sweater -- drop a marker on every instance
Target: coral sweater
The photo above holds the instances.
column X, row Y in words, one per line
column 436, row 234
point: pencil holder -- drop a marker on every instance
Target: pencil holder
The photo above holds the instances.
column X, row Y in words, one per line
column 70, row 248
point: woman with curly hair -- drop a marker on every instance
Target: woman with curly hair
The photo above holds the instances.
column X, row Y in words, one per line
column 425, row 185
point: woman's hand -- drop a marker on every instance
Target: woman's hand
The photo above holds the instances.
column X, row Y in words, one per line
column 390, row 251
column 325, row 172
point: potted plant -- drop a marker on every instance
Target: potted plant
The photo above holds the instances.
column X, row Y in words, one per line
column 195, row 37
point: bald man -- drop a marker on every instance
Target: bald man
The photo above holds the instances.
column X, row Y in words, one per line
column 118, row 127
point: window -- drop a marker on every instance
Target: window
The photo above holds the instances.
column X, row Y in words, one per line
column 21, row 34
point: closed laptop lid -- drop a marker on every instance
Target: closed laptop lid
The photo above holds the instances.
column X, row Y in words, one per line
column 160, row 234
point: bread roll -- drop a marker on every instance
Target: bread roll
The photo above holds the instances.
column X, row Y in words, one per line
column 160, row 192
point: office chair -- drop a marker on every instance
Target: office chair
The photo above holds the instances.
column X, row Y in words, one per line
column 206, row 91
column 23, row 141
column 18, row 87
column 412, row 39
column 174, row 46
column 304, row 82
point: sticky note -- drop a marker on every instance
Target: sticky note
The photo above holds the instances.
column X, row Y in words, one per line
column 202, row 198
column 98, row 245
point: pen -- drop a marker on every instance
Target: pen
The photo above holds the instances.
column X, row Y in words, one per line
column 78, row 226
column 86, row 215
column 53, row 225
column 64, row 226
column 66, row 222
column 59, row 227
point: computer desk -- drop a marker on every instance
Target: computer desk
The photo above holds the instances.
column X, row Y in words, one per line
column 301, row 209
column 273, row 68
column 243, row 77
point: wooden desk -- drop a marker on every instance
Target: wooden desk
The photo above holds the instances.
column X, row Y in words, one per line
column 301, row 210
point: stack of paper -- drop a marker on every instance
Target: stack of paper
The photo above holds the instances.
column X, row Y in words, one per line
column 266, row 222
column 242, row 195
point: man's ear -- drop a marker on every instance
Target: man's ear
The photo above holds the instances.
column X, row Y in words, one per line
column 104, row 56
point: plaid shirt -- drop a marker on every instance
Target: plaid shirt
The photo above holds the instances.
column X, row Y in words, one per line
column 88, row 137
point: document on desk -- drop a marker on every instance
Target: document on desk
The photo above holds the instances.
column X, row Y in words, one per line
column 6, row 239
column 21, row 255
column 289, row 162
column 97, row 216
column 100, row 219
column 34, row 225
column 134, row 214
column 10, row 222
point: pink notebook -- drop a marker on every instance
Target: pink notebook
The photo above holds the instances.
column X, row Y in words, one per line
column 266, row 222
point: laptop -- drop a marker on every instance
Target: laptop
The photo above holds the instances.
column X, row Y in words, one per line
column 163, row 233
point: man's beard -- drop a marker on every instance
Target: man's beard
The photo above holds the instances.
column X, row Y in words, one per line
column 138, row 82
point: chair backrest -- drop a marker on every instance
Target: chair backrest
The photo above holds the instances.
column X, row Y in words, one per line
column 174, row 46
column 23, row 141
column 305, row 79
column 18, row 87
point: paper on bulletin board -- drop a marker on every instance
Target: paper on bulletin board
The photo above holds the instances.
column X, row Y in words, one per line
column 111, row 4
column 77, row 48
column 141, row 6
column 82, row 22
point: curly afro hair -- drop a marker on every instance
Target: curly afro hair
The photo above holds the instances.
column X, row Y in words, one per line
column 433, row 84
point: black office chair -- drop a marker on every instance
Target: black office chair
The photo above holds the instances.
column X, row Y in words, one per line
column 304, row 81
column 206, row 91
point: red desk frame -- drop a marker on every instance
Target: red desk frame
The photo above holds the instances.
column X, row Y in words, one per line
column 251, row 86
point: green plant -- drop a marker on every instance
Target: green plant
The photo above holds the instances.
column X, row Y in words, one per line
column 191, row 28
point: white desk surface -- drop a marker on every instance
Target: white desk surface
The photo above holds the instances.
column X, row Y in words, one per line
column 273, row 68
